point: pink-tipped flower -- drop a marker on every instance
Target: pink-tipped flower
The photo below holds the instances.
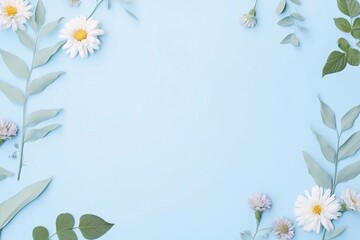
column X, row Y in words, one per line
column 283, row 229
column 8, row 130
column 249, row 20
column 259, row 202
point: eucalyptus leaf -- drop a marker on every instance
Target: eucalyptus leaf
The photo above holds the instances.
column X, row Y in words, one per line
column 336, row 62
column 36, row 134
column 40, row 84
column 350, row 147
column 297, row 16
column 12, row 206
column 40, row 233
column 16, row 66
column 286, row 21
column 321, row 178
column 335, row 233
column 291, row 39
column 281, row 7
column 343, row 24
column 40, row 13
column 348, row 120
column 44, row 55
column 4, row 174
column 25, row 39
column 327, row 115
column 349, row 172
column 353, row 57
column 64, row 227
column 39, row 116
column 12, row 93
column 50, row 27
column 68, row 234
column 297, row 2
column 33, row 24
column 343, row 44
column 350, row 8
column 93, row 227
column 327, row 150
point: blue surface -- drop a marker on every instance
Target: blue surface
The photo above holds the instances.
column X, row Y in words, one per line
column 178, row 118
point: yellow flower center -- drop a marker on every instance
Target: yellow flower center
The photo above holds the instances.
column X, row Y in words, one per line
column 283, row 228
column 317, row 209
column 80, row 35
column 10, row 11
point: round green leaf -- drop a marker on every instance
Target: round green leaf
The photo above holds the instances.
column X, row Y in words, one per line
column 93, row 227
column 40, row 233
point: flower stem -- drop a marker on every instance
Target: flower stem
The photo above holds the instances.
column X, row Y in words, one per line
column 336, row 160
column 96, row 7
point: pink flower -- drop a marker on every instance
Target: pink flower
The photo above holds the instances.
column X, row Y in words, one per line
column 8, row 129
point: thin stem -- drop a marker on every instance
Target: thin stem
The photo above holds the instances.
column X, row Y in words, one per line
column 323, row 237
column 257, row 228
column 96, row 7
column 336, row 160
column 255, row 4
column 0, row 233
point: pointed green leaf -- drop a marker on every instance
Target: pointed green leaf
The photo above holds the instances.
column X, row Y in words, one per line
column 297, row 16
column 348, row 120
column 40, row 84
column 25, row 39
column 327, row 150
column 350, row 147
column 321, row 178
column 343, row 44
column 12, row 206
column 350, row 8
column 39, row 116
column 33, row 24
column 335, row 233
column 40, row 13
column 336, row 62
column 40, row 233
column 327, row 115
column 286, row 21
column 281, row 7
column 5, row 174
column 93, row 227
column 44, row 55
column 64, row 221
column 297, row 2
column 343, row 24
column 50, row 27
column 16, row 66
column 36, row 134
column 291, row 38
column 12, row 93
column 355, row 30
column 353, row 57
column 68, row 234
column 349, row 172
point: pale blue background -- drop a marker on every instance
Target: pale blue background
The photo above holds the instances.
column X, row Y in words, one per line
column 179, row 117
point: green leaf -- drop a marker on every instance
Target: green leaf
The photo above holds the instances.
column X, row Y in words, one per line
column 67, row 235
column 355, row 31
column 321, row 178
column 350, row 147
column 343, row 24
column 36, row 134
column 12, row 93
column 33, row 24
column 5, row 174
column 327, row 115
column 336, row 62
column 17, row 66
column 40, row 13
column 44, row 55
column 246, row 235
column 291, row 38
column 12, row 206
column 297, row 2
column 327, row 150
column 335, row 233
column 40, row 84
column 297, row 16
column 64, row 227
column 353, row 57
column 25, row 39
column 39, row 116
column 286, row 21
column 350, row 8
column 281, row 7
column 93, row 227
column 50, row 27
column 349, row 172
column 343, row 44
column 348, row 120
column 40, row 233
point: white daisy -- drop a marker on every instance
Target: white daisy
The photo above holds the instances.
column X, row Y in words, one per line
column 283, row 229
column 82, row 36
column 351, row 199
column 259, row 202
column 8, row 130
column 249, row 20
column 317, row 209
column 14, row 13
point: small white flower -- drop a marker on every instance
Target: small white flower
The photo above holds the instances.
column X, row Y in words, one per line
column 82, row 36
column 8, row 130
column 316, row 209
column 74, row 3
column 249, row 20
column 259, row 202
column 351, row 199
column 14, row 14
column 283, row 229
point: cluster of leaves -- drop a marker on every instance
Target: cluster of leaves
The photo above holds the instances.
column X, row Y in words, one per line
column 338, row 60
column 90, row 226
column 290, row 18
column 33, row 85
column 336, row 155
column 247, row 235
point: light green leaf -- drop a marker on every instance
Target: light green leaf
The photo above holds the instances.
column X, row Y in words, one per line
column 350, row 8
column 296, row 2
column 343, row 44
column 355, row 31
column 25, row 39
column 246, row 235
column 40, row 233
column 350, row 147
column 327, row 150
column 349, row 172
column 343, row 24
column 36, row 134
column 93, row 227
column 336, row 62
column 40, row 13
column 44, row 55
column 353, row 57
column 321, row 178
column 17, row 66
column 67, row 235
column 335, row 233
column 40, row 84
column 327, row 115
column 50, row 27
column 348, row 120
column 286, row 21
column 39, row 116
column 12, row 206
column 64, row 227
column 291, row 38
column 297, row 16
column 33, row 24
column 281, row 7
column 12, row 93
column 5, row 174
